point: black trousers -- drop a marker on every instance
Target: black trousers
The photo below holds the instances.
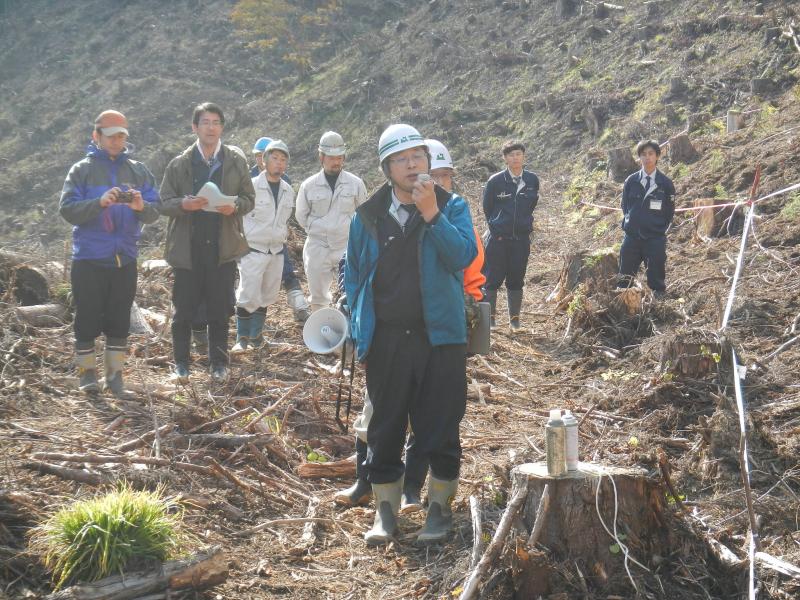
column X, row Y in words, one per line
column 506, row 260
column 410, row 380
column 103, row 298
column 653, row 252
column 207, row 284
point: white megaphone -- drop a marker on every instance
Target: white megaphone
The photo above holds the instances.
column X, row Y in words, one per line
column 325, row 331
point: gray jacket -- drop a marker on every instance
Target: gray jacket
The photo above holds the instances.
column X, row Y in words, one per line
column 177, row 184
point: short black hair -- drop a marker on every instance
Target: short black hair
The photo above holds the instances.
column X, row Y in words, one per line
column 512, row 145
column 641, row 146
column 207, row 107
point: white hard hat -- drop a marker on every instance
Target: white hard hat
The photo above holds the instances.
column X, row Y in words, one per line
column 440, row 157
column 397, row 138
column 332, row 144
column 277, row 145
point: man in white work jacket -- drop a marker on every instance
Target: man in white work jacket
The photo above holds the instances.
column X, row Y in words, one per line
column 325, row 205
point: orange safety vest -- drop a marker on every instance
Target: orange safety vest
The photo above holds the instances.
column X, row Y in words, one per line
column 473, row 278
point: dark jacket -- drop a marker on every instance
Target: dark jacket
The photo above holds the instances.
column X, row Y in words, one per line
column 640, row 219
column 509, row 212
column 446, row 247
column 178, row 182
column 103, row 233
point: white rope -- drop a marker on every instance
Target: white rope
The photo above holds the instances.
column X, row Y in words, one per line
column 739, row 262
column 613, row 534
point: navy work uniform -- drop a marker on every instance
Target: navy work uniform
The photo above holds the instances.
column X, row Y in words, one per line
column 648, row 206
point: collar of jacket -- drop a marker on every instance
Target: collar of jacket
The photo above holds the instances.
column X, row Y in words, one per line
column 510, row 180
column 659, row 178
column 96, row 151
column 377, row 205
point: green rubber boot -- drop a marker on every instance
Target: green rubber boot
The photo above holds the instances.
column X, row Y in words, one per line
column 439, row 520
column 514, row 307
column 243, row 325
column 387, row 503
column 114, row 361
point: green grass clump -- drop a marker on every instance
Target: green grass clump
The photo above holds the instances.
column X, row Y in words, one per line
column 792, row 208
column 121, row 530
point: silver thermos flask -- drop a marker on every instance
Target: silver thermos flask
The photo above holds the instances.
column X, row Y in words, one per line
column 571, row 424
column 556, row 444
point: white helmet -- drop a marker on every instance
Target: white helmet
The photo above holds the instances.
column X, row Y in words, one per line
column 332, row 144
column 397, row 138
column 277, row 145
column 440, row 157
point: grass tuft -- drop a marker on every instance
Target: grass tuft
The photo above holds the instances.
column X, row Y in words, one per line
column 121, row 530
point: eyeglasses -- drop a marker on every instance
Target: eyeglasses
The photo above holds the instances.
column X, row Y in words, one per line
column 208, row 123
column 404, row 161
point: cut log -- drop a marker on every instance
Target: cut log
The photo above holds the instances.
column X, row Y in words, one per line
column 199, row 572
column 621, row 163
column 328, row 470
column 711, row 222
column 693, row 354
column 677, row 86
column 573, row 530
column 681, row 150
column 734, row 120
column 761, row 86
column 30, row 283
column 43, row 315
column 596, row 271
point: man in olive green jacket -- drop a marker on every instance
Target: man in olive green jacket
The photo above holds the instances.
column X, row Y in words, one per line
column 203, row 243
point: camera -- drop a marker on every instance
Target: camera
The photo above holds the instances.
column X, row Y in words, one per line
column 125, row 197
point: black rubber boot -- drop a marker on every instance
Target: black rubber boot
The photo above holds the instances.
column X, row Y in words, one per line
column 491, row 298
column 439, row 519
column 361, row 491
column 514, row 307
column 387, row 503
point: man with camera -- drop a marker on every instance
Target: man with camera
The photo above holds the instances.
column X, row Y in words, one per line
column 106, row 197
column 408, row 246
column 202, row 245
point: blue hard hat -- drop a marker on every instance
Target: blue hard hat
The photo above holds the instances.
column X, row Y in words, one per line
column 261, row 145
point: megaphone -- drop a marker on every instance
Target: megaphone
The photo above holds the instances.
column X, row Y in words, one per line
column 325, row 331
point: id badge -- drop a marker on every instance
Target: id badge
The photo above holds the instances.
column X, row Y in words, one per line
column 655, row 204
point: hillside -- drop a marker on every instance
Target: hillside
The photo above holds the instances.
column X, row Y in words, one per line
column 573, row 86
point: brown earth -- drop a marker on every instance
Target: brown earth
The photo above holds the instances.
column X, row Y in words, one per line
column 610, row 371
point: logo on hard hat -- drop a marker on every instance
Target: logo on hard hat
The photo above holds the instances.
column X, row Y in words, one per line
column 403, row 139
column 440, row 156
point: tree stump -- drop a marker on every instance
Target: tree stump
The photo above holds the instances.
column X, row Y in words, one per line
column 693, row 354
column 760, row 86
column 711, row 222
column 734, row 121
column 681, row 149
column 573, row 531
column 621, row 163
column 596, row 271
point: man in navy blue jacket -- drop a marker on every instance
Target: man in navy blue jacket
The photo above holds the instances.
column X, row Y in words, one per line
column 508, row 202
column 648, row 206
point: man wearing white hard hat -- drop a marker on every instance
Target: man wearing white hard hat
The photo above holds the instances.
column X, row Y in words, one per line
column 325, row 205
column 408, row 246
column 266, row 228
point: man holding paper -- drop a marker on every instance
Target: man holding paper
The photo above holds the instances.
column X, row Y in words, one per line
column 205, row 235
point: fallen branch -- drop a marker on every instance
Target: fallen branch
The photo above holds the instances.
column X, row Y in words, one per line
column 493, row 551
column 776, row 564
column 143, row 440
column 221, row 440
column 297, row 521
column 199, row 572
column 221, row 420
column 327, row 470
column 79, row 475
column 477, row 542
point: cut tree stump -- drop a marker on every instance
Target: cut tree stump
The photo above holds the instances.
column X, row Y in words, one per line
column 30, row 283
column 596, row 271
column 43, row 315
column 681, row 150
column 694, row 353
column 621, row 163
column 711, row 222
column 199, row 572
column 572, row 530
